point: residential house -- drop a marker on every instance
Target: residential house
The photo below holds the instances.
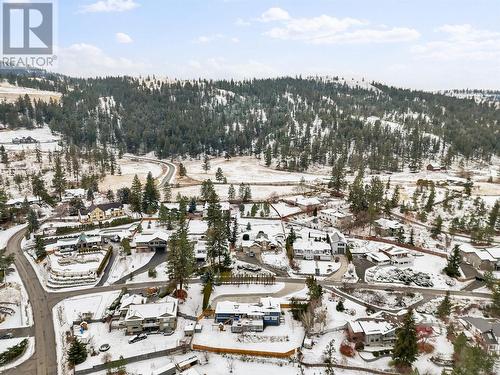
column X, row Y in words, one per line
column 335, row 217
column 128, row 300
column 249, row 316
column 24, row 140
column 488, row 330
column 435, row 168
column 18, row 202
column 154, row 241
column 312, row 250
column 483, row 259
column 338, row 242
column 82, row 243
column 379, row 258
column 372, row 332
column 100, row 212
column 161, row 316
column 399, row 256
column 70, row 194
column 257, row 242
column 387, row 228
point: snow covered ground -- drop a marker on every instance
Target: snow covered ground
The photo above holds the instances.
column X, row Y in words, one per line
column 128, row 168
column 15, row 300
column 48, row 140
column 126, row 264
column 246, row 169
column 282, row 338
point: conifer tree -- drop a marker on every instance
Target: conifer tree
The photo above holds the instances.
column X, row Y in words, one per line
column 452, row 269
column 77, row 353
column 136, row 195
column 180, row 258
column 444, row 308
column 231, row 194
column 405, row 348
column 167, row 192
column 151, row 196
column 219, row 175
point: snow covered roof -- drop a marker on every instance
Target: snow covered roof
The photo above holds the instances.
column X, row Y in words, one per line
column 335, row 212
column 396, row 251
column 388, row 224
column 148, row 237
column 266, row 305
column 152, row 310
column 14, row 201
column 301, row 244
column 131, row 299
column 75, row 192
column 313, row 201
column 371, row 327
column 378, row 257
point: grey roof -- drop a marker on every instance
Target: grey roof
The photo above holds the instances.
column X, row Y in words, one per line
column 490, row 328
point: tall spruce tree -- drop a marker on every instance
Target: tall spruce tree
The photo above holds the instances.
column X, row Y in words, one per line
column 136, row 195
column 151, row 196
column 452, row 269
column 405, row 348
column 180, row 256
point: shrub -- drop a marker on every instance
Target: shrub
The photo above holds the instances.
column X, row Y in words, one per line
column 347, row 350
column 152, row 272
column 359, row 346
column 425, row 347
column 13, row 352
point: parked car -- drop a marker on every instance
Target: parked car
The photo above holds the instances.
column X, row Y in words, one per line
column 139, row 337
column 5, row 336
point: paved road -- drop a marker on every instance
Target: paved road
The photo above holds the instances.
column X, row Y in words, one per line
column 44, row 360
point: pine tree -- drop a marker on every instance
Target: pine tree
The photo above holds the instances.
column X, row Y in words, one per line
column 444, row 308
column 90, row 195
column 231, row 194
column 219, row 175
column 77, row 353
column 182, row 170
column 40, row 251
column 59, row 180
column 452, row 269
column 206, row 163
column 136, row 195
column 268, row 156
column 494, row 214
column 430, row 200
column 180, row 258
column 167, row 192
column 405, row 348
column 151, row 195
column 437, row 226
column 337, row 180
column 33, row 224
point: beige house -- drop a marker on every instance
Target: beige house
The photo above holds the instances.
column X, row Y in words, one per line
column 101, row 212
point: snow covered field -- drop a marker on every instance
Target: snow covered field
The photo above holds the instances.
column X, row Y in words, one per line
column 308, row 267
column 11, row 93
column 246, row 169
column 48, row 140
column 128, row 169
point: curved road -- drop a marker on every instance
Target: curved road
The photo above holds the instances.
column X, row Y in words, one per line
column 44, row 360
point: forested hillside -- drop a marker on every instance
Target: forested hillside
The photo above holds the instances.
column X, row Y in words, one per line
column 291, row 122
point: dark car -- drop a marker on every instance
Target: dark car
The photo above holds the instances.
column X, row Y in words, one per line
column 139, row 337
column 5, row 336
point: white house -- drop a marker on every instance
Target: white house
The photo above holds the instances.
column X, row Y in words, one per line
column 312, row 250
column 378, row 258
column 335, row 217
column 70, row 194
column 399, row 256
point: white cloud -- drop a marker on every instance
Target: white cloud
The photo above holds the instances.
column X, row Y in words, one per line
column 123, row 38
column 109, row 6
column 242, row 22
column 274, row 14
column 204, row 39
column 326, row 29
column 87, row 60
column 461, row 42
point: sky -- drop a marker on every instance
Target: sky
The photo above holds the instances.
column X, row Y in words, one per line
column 423, row 44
